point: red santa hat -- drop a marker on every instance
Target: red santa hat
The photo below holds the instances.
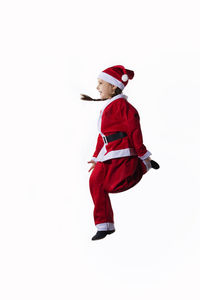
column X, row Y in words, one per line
column 117, row 75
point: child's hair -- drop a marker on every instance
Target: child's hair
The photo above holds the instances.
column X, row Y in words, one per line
column 88, row 98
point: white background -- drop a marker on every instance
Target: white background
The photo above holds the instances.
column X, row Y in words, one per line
column 51, row 51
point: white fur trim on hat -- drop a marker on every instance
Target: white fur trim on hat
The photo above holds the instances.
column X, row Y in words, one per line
column 111, row 80
column 124, row 77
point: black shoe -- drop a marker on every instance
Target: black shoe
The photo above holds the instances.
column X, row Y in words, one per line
column 102, row 234
column 154, row 164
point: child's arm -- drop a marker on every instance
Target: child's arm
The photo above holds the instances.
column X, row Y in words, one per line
column 130, row 120
column 139, row 147
column 99, row 146
column 137, row 138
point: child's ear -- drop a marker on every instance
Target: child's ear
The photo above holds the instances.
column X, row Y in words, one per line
column 114, row 87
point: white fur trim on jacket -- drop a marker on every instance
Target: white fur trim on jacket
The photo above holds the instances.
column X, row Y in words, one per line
column 147, row 154
column 94, row 158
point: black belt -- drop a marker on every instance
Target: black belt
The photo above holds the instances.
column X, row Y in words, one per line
column 114, row 136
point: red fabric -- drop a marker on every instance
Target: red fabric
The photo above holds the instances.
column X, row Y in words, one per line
column 113, row 176
column 120, row 115
column 99, row 145
column 117, row 72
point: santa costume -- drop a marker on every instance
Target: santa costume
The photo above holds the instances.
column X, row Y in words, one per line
column 119, row 153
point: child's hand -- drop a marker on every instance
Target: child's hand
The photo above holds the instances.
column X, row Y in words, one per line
column 93, row 164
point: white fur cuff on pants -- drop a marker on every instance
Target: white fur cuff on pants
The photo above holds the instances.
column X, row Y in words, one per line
column 147, row 164
column 105, row 226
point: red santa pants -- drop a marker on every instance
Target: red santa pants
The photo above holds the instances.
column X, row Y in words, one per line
column 112, row 176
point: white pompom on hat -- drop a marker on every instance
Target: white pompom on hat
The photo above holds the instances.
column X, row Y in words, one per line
column 117, row 75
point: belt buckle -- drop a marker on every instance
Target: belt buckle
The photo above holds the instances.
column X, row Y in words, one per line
column 105, row 139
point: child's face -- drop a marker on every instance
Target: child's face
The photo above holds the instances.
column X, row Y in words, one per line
column 105, row 89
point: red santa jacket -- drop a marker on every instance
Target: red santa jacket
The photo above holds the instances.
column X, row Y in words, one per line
column 119, row 115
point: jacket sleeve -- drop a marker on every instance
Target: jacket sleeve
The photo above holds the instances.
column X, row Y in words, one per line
column 99, row 146
column 137, row 138
column 130, row 122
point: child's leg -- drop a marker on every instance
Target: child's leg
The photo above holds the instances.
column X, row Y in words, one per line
column 123, row 173
column 103, row 213
column 112, row 176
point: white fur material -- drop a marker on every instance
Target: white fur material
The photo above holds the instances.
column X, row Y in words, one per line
column 147, row 154
column 125, row 77
column 105, row 226
column 111, row 80
column 147, row 164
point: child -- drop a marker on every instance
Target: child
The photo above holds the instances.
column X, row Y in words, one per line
column 120, row 158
